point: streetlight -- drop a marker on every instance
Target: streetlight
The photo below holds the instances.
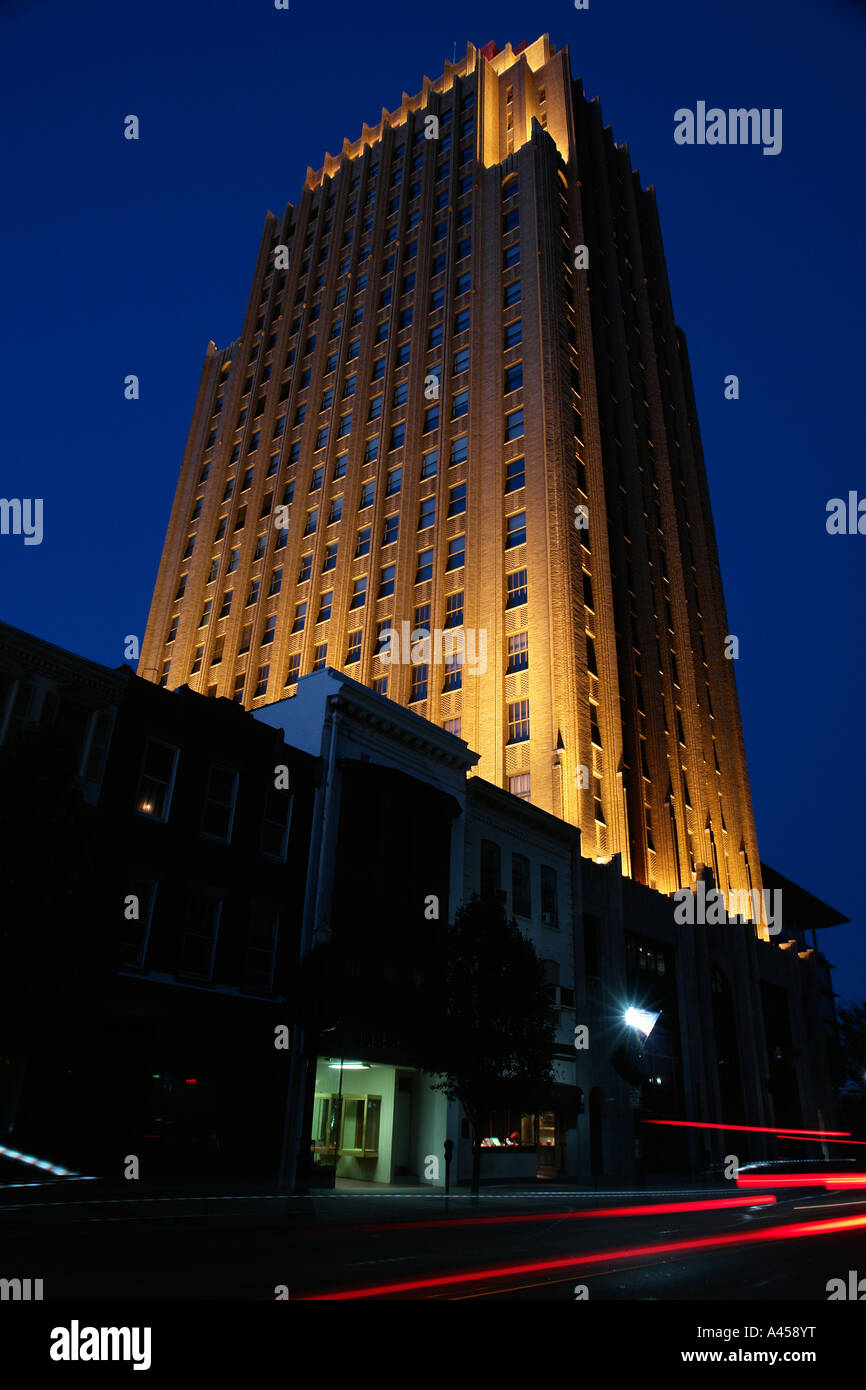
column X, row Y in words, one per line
column 643, row 1020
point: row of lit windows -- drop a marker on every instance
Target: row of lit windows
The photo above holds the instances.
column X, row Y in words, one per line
column 391, row 231
column 517, row 648
column 431, row 419
column 464, row 187
column 510, row 222
column 462, row 284
column 512, row 336
column 513, row 380
column 444, row 117
column 435, row 338
column 515, row 535
column 361, row 280
column 515, row 478
column 407, row 286
column 518, row 725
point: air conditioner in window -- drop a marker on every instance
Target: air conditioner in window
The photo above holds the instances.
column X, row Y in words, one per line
column 549, row 919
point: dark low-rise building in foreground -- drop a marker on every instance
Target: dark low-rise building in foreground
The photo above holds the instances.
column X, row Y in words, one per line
column 172, row 862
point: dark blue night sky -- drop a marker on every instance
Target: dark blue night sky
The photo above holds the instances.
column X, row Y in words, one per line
column 124, row 257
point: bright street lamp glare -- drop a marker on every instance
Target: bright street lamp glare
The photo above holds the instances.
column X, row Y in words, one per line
column 641, row 1019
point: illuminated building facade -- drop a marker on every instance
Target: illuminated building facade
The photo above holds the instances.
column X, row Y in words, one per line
column 460, row 405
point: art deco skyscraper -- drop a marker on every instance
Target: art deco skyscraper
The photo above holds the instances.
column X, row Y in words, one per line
column 461, row 374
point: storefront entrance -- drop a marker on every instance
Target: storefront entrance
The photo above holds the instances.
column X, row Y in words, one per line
column 375, row 1123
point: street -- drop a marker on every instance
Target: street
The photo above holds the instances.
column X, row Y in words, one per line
column 659, row 1245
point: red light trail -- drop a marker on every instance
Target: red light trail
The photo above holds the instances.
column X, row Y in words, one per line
column 649, row 1209
column 831, row 1181
column 579, row 1262
column 756, row 1129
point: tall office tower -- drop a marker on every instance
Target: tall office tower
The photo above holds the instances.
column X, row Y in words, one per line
column 461, row 375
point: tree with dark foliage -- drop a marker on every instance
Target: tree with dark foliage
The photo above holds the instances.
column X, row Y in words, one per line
column 493, row 1037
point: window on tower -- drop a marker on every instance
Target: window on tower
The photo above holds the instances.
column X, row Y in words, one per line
column 294, row 669
column 453, row 674
column 518, row 653
column 457, row 500
column 515, row 474
column 513, row 378
column 515, row 530
column 517, row 589
column 514, row 424
column 456, row 553
column 511, row 294
column 518, row 721
column 454, row 609
column 459, row 450
column 418, row 689
column 425, row 566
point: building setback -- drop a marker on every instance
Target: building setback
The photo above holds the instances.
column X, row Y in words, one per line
column 460, row 404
